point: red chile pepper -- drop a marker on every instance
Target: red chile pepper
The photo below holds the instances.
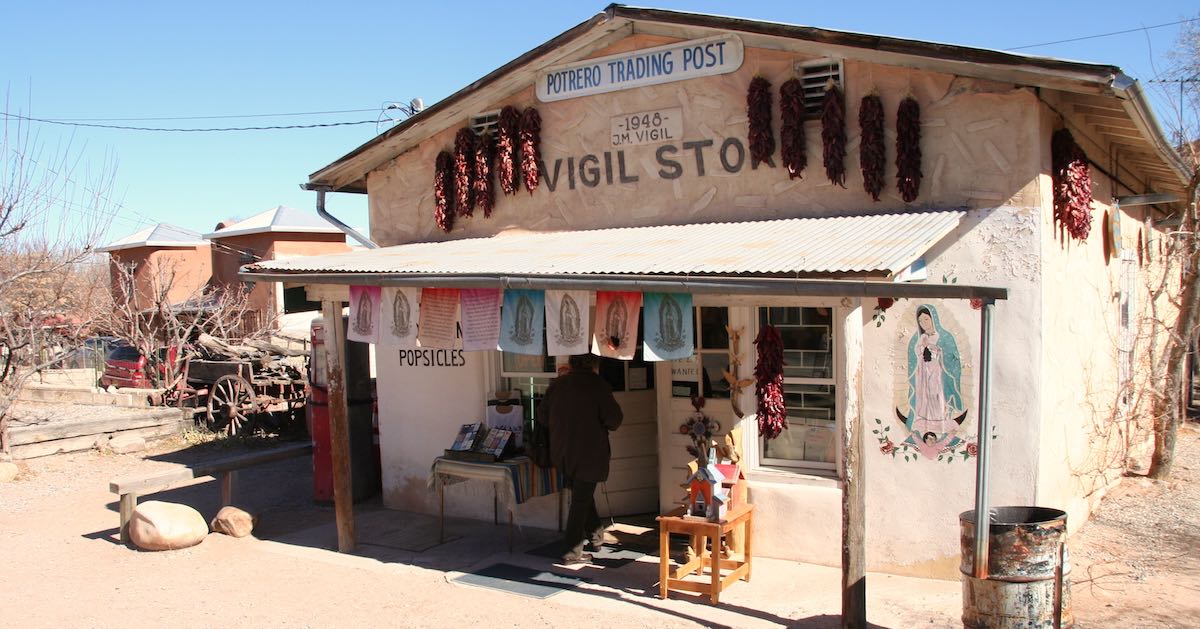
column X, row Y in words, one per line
column 443, row 191
column 791, row 127
column 508, row 152
column 531, row 139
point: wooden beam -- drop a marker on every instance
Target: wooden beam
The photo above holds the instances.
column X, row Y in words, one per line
column 852, row 469
column 1119, row 132
column 339, row 424
column 1111, row 111
column 1118, row 122
column 327, row 292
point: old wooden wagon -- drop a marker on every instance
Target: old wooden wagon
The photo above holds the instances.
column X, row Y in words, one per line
column 240, row 388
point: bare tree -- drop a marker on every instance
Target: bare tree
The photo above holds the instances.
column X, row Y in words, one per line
column 143, row 314
column 1179, row 284
column 53, row 208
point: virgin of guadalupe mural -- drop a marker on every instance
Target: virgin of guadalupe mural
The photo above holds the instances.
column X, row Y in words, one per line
column 570, row 324
column 401, row 315
column 363, row 324
column 936, row 410
column 522, row 331
column 670, row 324
column 616, row 320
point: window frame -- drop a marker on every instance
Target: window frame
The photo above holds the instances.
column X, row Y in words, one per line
column 700, row 351
column 817, row 468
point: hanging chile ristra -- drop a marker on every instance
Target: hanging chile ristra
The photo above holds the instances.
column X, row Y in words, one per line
column 508, row 152
column 485, row 194
column 871, row 153
column 768, row 387
column 531, row 139
column 758, row 109
column 1072, row 182
column 443, row 191
column 791, row 127
column 833, row 134
column 464, row 168
column 908, row 149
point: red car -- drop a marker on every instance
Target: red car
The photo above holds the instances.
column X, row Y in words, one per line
column 125, row 367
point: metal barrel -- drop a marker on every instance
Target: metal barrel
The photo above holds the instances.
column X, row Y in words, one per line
column 1028, row 580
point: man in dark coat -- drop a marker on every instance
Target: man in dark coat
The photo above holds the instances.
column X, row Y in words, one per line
column 580, row 410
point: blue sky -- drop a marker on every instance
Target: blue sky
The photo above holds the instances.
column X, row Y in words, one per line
column 108, row 60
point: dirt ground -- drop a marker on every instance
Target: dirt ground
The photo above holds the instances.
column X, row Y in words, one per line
column 1134, row 565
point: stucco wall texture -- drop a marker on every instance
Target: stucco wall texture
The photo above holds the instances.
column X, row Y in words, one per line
column 985, row 148
column 186, row 270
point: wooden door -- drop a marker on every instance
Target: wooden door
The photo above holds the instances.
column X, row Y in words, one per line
column 632, row 486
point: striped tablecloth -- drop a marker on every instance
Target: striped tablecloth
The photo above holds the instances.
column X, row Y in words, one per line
column 518, row 475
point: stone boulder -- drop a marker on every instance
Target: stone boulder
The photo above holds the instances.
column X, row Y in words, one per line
column 8, row 471
column 159, row 525
column 233, row 521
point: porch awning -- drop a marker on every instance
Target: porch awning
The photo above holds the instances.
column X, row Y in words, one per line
column 764, row 257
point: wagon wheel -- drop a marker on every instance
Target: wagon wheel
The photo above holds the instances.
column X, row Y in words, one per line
column 230, row 403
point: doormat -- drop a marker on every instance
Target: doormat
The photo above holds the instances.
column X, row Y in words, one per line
column 607, row 556
column 520, row 580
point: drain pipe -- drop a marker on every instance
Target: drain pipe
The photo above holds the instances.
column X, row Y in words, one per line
column 983, row 473
column 348, row 230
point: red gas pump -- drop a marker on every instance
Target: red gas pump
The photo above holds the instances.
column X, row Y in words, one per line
column 363, row 419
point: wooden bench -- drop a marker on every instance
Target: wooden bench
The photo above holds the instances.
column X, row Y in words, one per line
column 225, row 469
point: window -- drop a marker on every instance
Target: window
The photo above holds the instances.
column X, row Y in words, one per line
column 295, row 299
column 629, row 375
column 814, row 75
column 485, row 124
column 811, row 439
column 528, row 374
column 703, row 373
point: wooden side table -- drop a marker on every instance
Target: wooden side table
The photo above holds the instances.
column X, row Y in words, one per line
column 701, row 531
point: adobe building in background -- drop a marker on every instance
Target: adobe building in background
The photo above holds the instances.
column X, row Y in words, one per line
column 277, row 234
column 160, row 258
column 669, row 160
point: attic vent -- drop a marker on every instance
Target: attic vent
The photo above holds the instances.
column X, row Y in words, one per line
column 814, row 75
column 485, row 123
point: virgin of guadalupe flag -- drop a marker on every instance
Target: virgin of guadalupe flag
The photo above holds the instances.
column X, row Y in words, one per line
column 398, row 327
column 364, row 314
column 615, row 331
column 567, row 322
column 669, row 326
column 480, row 318
column 522, row 320
column 439, row 317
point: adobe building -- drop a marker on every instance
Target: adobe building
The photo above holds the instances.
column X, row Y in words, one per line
column 161, row 257
column 279, row 233
column 659, row 172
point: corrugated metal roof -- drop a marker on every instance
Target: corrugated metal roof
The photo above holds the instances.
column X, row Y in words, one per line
column 162, row 235
column 280, row 218
column 878, row 245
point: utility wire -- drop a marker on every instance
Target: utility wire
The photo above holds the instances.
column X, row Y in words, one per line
column 1131, row 30
column 182, row 130
column 281, row 115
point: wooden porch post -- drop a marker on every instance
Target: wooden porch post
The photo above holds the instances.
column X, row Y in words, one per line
column 339, row 425
column 851, row 472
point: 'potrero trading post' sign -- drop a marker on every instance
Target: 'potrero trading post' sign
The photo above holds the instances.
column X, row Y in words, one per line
column 649, row 66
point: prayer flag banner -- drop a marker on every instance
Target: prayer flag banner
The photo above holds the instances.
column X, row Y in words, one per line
column 615, row 332
column 439, row 317
column 669, row 326
column 399, row 322
column 522, row 321
column 567, row 322
column 480, row 318
column 364, row 314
